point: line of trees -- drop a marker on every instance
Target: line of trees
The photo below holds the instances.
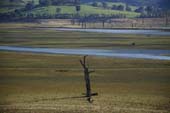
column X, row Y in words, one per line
column 105, row 5
column 149, row 11
column 161, row 10
column 118, row 7
column 57, row 2
column 30, row 5
column 19, row 15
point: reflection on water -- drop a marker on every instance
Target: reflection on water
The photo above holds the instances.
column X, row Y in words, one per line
column 120, row 53
column 117, row 31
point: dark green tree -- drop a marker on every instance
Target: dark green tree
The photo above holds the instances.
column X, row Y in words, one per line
column 114, row 7
column 18, row 13
column 128, row 8
column 58, row 10
column 104, row 5
column 121, row 7
column 78, row 7
column 140, row 10
column 95, row 4
column 30, row 5
column 149, row 10
column 45, row 2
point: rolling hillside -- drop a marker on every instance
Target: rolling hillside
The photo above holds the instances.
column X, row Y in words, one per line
column 132, row 2
column 8, row 3
column 110, row 4
column 85, row 10
column 6, row 6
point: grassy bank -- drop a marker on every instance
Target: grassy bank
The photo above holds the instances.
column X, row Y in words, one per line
column 54, row 83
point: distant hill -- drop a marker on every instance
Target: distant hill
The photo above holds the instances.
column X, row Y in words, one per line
column 21, row 9
column 132, row 2
column 11, row 3
column 85, row 10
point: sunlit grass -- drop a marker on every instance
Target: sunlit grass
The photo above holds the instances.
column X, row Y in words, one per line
column 54, row 80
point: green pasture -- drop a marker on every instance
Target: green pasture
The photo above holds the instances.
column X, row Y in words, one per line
column 85, row 10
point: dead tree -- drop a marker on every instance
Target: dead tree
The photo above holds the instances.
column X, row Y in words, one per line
column 87, row 79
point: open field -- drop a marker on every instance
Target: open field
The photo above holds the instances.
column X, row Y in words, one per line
column 54, row 83
column 48, row 83
column 33, row 37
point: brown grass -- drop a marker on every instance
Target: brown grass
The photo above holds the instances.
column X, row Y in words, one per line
column 45, row 83
column 61, row 39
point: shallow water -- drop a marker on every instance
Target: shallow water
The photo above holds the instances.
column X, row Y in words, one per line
column 117, row 31
column 119, row 53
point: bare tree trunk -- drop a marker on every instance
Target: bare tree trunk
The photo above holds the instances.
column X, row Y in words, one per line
column 85, row 25
column 87, row 78
column 82, row 24
column 166, row 18
column 103, row 23
column 143, row 21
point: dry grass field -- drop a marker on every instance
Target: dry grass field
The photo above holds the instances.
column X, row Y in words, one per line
column 26, row 36
column 54, row 83
column 49, row 83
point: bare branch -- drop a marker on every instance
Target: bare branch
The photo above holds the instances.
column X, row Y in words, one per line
column 91, row 71
column 85, row 59
column 81, row 62
column 88, row 65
